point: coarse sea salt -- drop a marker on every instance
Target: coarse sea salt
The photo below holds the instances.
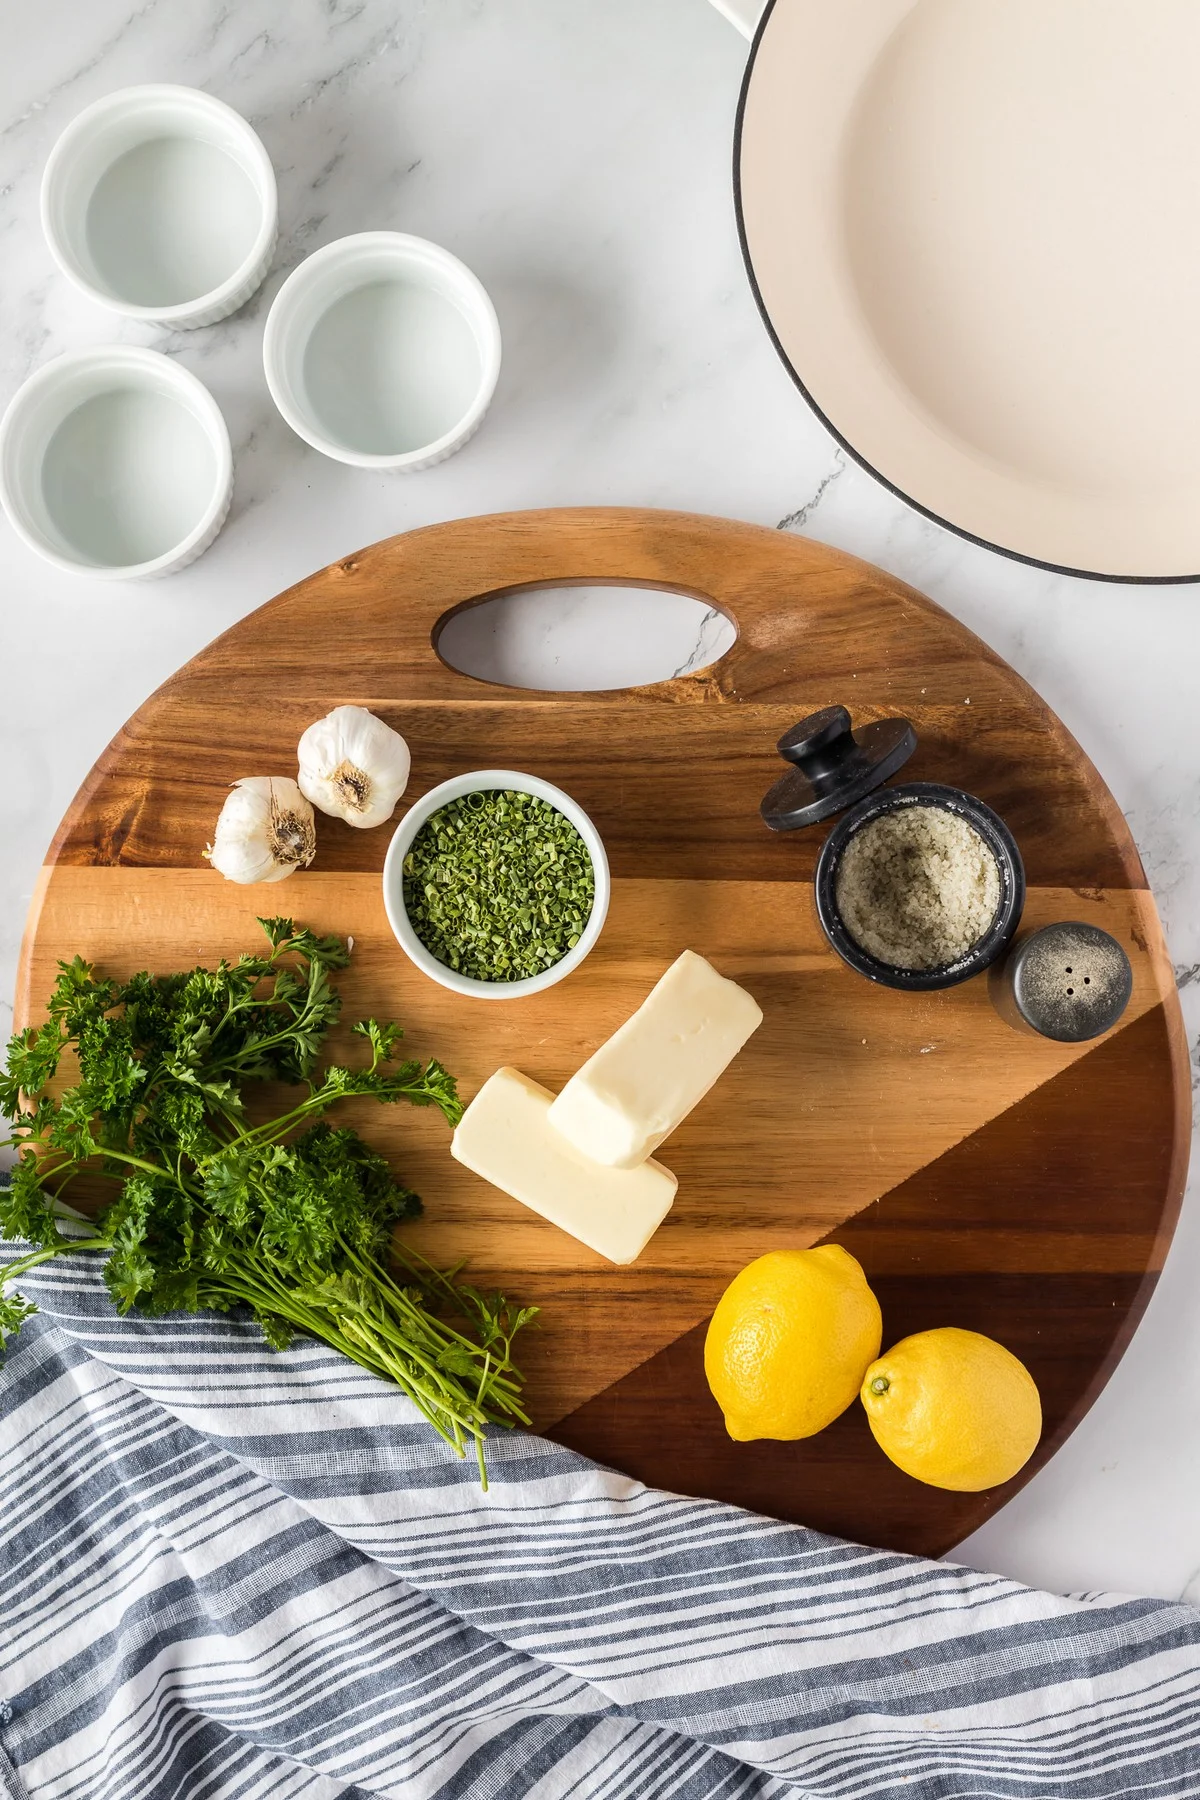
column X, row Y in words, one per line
column 917, row 887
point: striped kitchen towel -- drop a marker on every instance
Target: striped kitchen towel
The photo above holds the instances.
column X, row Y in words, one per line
column 230, row 1573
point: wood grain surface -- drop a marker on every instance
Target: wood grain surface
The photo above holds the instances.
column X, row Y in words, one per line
column 983, row 1177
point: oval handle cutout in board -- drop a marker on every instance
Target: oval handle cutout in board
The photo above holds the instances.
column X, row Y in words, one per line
column 583, row 638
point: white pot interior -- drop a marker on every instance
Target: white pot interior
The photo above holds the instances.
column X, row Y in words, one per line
column 157, row 199
column 383, row 349
column 110, row 464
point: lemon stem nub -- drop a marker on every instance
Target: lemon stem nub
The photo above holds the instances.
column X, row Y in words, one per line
column 880, row 1385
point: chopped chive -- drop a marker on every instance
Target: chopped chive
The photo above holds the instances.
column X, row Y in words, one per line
column 499, row 885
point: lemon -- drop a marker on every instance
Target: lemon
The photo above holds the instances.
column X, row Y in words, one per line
column 954, row 1409
column 789, row 1341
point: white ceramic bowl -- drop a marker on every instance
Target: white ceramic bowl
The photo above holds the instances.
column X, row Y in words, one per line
column 115, row 462
column 160, row 203
column 382, row 351
column 401, row 844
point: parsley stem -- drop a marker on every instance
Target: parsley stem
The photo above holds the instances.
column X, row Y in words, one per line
column 67, row 1247
column 135, row 1162
column 361, row 1328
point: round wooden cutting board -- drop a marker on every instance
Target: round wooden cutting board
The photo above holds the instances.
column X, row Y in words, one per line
column 984, row 1178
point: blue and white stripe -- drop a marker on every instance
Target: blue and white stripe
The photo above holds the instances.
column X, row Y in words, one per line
column 229, row 1572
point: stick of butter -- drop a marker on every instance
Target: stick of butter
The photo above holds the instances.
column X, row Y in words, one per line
column 506, row 1137
column 647, row 1078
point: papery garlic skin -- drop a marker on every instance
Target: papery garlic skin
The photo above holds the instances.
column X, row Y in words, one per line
column 354, row 766
column 266, row 831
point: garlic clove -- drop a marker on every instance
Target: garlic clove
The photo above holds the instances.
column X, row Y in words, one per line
column 353, row 766
column 266, row 831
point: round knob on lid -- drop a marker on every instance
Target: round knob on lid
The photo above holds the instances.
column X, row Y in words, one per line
column 833, row 766
column 814, row 733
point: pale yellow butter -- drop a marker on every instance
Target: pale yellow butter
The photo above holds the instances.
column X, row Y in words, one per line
column 642, row 1083
column 506, row 1137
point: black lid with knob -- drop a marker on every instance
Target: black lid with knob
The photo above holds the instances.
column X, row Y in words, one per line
column 833, row 766
column 1069, row 981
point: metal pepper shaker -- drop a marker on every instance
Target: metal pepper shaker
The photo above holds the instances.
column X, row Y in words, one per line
column 1069, row 981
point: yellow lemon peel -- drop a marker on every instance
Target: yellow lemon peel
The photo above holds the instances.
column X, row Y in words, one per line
column 789, row 1342
column 953, row 1409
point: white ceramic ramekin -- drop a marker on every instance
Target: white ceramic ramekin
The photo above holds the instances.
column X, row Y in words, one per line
column 382, row 351
column 402, row 841
column 160, row 203
column 115, row 462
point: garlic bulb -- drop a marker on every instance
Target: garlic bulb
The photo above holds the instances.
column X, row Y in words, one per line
column 354, row 766
column 266, row 831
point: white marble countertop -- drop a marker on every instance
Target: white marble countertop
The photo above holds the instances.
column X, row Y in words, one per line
column 577, row 156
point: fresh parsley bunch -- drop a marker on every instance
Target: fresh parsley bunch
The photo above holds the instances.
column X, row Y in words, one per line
column 292, row 1218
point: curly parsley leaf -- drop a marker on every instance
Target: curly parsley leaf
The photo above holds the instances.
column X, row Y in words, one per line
column 26, row 1213
column 14, row 1310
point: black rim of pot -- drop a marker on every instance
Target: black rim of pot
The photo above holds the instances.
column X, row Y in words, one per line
column 996, row 836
